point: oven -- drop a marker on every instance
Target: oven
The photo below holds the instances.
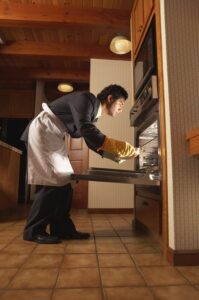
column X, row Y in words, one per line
column 144, row 117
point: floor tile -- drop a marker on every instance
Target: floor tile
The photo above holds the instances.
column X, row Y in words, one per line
column 115, row 260
column 19, row 240
column 176, row 293
column 135, row 240
column 6, row 239
column 9, row 233
column 43, row 261
column 12, row 261
column 6, row 276
column 121, row 277
column 191, row 273
column 105, row 232
column 78, row 294
column 34, row 278
column 124, row 232
column 128, row 293
column 2, row 246
column 107, row 240
column 151, row 259
column 26, row 294
column 91, row 240
column 140, row 248
column 162, row 276
column 76, row 248
column 19, row 248
column 50, row 249
column 78, row 277
column 111, row 248
column 79, row 260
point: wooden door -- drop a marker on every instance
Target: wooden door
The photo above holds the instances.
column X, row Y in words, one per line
column 148, row 7
column 78, row 155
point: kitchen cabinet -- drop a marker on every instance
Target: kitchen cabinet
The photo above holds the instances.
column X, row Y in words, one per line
column 141, row 13
column 9, row 170
column 148, row 212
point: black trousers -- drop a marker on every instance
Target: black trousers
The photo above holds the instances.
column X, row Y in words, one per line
column 52, row 207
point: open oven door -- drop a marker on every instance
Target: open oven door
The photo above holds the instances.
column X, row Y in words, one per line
column 119, row 176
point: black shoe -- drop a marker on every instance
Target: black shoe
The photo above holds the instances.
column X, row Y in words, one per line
column 46, row 239
column 77, row 235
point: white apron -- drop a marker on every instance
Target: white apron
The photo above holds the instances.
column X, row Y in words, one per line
column 48, row 162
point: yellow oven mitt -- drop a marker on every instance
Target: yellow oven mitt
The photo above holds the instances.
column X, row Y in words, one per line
column 118, row 150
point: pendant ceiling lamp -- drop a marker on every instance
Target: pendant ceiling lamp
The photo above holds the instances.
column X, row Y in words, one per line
column 120, row 45
column 65, row 87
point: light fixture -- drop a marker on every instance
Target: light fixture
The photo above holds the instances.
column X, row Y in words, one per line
column 120, row 45
column 2, row 42
column 65, row 87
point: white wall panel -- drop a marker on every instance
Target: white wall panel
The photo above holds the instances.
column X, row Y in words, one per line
column 112, row 195
column 182, row 43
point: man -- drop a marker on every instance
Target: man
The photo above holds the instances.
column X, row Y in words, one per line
column 48, row 164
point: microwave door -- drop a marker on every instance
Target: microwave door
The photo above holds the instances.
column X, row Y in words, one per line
column 117, row 176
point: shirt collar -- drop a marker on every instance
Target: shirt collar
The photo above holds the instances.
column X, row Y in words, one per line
column 99, row 113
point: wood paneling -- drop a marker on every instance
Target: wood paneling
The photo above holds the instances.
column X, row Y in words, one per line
column 57, row 38
column 78, row 75
column 31, row 15
column 9, row 179
column 148, row 212
column 17, row 103
column 50, row 49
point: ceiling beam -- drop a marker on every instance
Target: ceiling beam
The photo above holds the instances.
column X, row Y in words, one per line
column 39, row 15
column 70, row 50
column 44, row 74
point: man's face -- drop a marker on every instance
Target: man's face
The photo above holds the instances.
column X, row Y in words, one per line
column 115, row 107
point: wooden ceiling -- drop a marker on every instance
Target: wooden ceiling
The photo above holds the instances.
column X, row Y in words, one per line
column 54, row 40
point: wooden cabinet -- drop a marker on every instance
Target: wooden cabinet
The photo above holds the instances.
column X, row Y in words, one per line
column 148, row 212
column 148, row 6
column 9, row 180
column 140, row 15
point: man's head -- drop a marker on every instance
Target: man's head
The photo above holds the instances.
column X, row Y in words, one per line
column 112, row 99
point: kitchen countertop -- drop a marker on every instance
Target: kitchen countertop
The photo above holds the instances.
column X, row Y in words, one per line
column 3, row 144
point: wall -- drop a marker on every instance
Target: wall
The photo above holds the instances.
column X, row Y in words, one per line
column 111, row 195
column 180, row 38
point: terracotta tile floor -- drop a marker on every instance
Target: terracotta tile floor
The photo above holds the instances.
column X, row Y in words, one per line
column 114, row 264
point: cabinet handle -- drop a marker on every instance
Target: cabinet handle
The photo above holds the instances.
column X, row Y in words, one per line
column 140, row 28
column 145, row 203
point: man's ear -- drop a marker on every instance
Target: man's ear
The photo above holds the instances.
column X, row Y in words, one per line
column 110, row 98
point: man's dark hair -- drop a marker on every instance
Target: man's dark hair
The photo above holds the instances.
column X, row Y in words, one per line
column 116, row 91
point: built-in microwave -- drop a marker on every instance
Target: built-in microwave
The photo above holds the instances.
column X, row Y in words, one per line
column 145, row 62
